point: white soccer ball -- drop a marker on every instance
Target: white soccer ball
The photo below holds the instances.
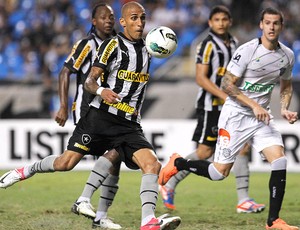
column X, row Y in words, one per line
column 161, row 42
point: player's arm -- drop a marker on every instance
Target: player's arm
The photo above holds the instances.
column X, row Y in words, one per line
column 228, row 85
column 63, row 92
column 286, row 91
column 91, row 85
column 202, row 79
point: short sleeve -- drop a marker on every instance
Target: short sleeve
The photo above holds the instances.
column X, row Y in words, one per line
column 204, row 53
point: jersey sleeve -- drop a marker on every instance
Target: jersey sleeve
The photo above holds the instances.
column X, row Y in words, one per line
column 78, row 55
column 239, row 61
column 105, row 53
column 287, row 73
column 204, row 53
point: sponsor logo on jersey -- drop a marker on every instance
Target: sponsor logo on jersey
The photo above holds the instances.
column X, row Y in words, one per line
column 221, row 71
column 122, row 106
column 259, row 88
column 73, row 51
column 84, row 53
column 132, row 76
column 207, row 53
column 107, row 51
column 237, row 57
column 81, row 147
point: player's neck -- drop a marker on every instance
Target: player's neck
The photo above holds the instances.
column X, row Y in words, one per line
column 270, row 45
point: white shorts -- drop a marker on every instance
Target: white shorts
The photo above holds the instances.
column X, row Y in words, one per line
column 236, row 129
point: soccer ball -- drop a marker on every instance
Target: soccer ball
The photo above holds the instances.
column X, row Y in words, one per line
column 161, row 42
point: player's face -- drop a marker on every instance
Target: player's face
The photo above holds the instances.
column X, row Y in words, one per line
column 104, row 21
column 134, row 22
column 220, row 23
column 271, row 27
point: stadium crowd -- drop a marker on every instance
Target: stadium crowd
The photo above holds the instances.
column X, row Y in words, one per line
column 36, row 35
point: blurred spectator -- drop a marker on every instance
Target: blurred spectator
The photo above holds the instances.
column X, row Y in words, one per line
column 36, row 35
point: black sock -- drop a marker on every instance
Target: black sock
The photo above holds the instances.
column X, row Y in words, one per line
column 277, row 188
column 199, row 167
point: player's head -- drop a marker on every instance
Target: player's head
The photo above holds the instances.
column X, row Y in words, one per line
column 220, row 20
column 271, row 24
column 103, row 20
column 133, row 20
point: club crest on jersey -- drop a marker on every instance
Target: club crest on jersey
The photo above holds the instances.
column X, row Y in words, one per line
column 86, row 139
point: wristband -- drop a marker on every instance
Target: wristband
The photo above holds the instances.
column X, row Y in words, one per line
column 99, row 90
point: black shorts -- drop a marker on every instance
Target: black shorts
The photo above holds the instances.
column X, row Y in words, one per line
column 99, row 131
column 206, row 131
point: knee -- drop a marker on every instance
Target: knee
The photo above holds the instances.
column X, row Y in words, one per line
column 204, row 152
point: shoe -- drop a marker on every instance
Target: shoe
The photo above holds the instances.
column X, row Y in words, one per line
column 11, row 177
column 280, row 224
column 169, row 170
column 105, row 223
column 167, row 197
column 250, row 206
column 162, row 223
column 84, row 208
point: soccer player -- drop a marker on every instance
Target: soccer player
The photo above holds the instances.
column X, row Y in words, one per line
column 250, row 77
column 213, row 54
column 79, row 62
column 122, row 66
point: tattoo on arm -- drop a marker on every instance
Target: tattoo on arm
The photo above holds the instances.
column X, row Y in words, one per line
column 228, row 85
column 285, row 98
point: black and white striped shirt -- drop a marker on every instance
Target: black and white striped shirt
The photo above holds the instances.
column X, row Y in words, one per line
column 126, row 64
column 80, row 61
column 213, row 52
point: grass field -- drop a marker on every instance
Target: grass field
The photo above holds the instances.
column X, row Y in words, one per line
column 44, row 201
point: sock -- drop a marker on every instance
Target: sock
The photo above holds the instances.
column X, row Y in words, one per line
column 148, row 195
column 178, row 177
column 199, row 167
column 109, row 189
column 97, row 176
column 100, row 215
column 241, row 171
column 43, row 166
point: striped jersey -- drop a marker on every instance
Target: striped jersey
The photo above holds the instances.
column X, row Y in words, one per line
column 213, row 52
column 259, row 70
column 126, row 65
column 80, row 62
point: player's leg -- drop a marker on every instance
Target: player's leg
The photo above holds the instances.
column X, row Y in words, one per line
column 64, row 162
column 241, row 171
column 148, row 163
column 109, row 189
column 205, row 135
column 275, row 156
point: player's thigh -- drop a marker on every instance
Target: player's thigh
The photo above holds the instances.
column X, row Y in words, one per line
column 204, row 151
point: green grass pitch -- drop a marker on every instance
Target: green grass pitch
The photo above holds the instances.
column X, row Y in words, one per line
column 44, row 202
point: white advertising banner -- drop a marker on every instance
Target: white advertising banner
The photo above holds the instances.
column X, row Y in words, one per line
column 26, row 141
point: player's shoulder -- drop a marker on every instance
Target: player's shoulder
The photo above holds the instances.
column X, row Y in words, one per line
column 252, row 44
column 286, row 49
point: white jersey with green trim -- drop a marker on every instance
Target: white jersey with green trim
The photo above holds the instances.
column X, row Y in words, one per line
column 259, row 70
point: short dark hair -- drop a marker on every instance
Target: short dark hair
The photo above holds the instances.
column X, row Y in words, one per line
column 219, row 9
column 271, row 10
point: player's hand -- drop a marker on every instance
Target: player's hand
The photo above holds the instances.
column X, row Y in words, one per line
column 110, row 96
column 262, row 114
column 292, row 117
column 61, row 116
